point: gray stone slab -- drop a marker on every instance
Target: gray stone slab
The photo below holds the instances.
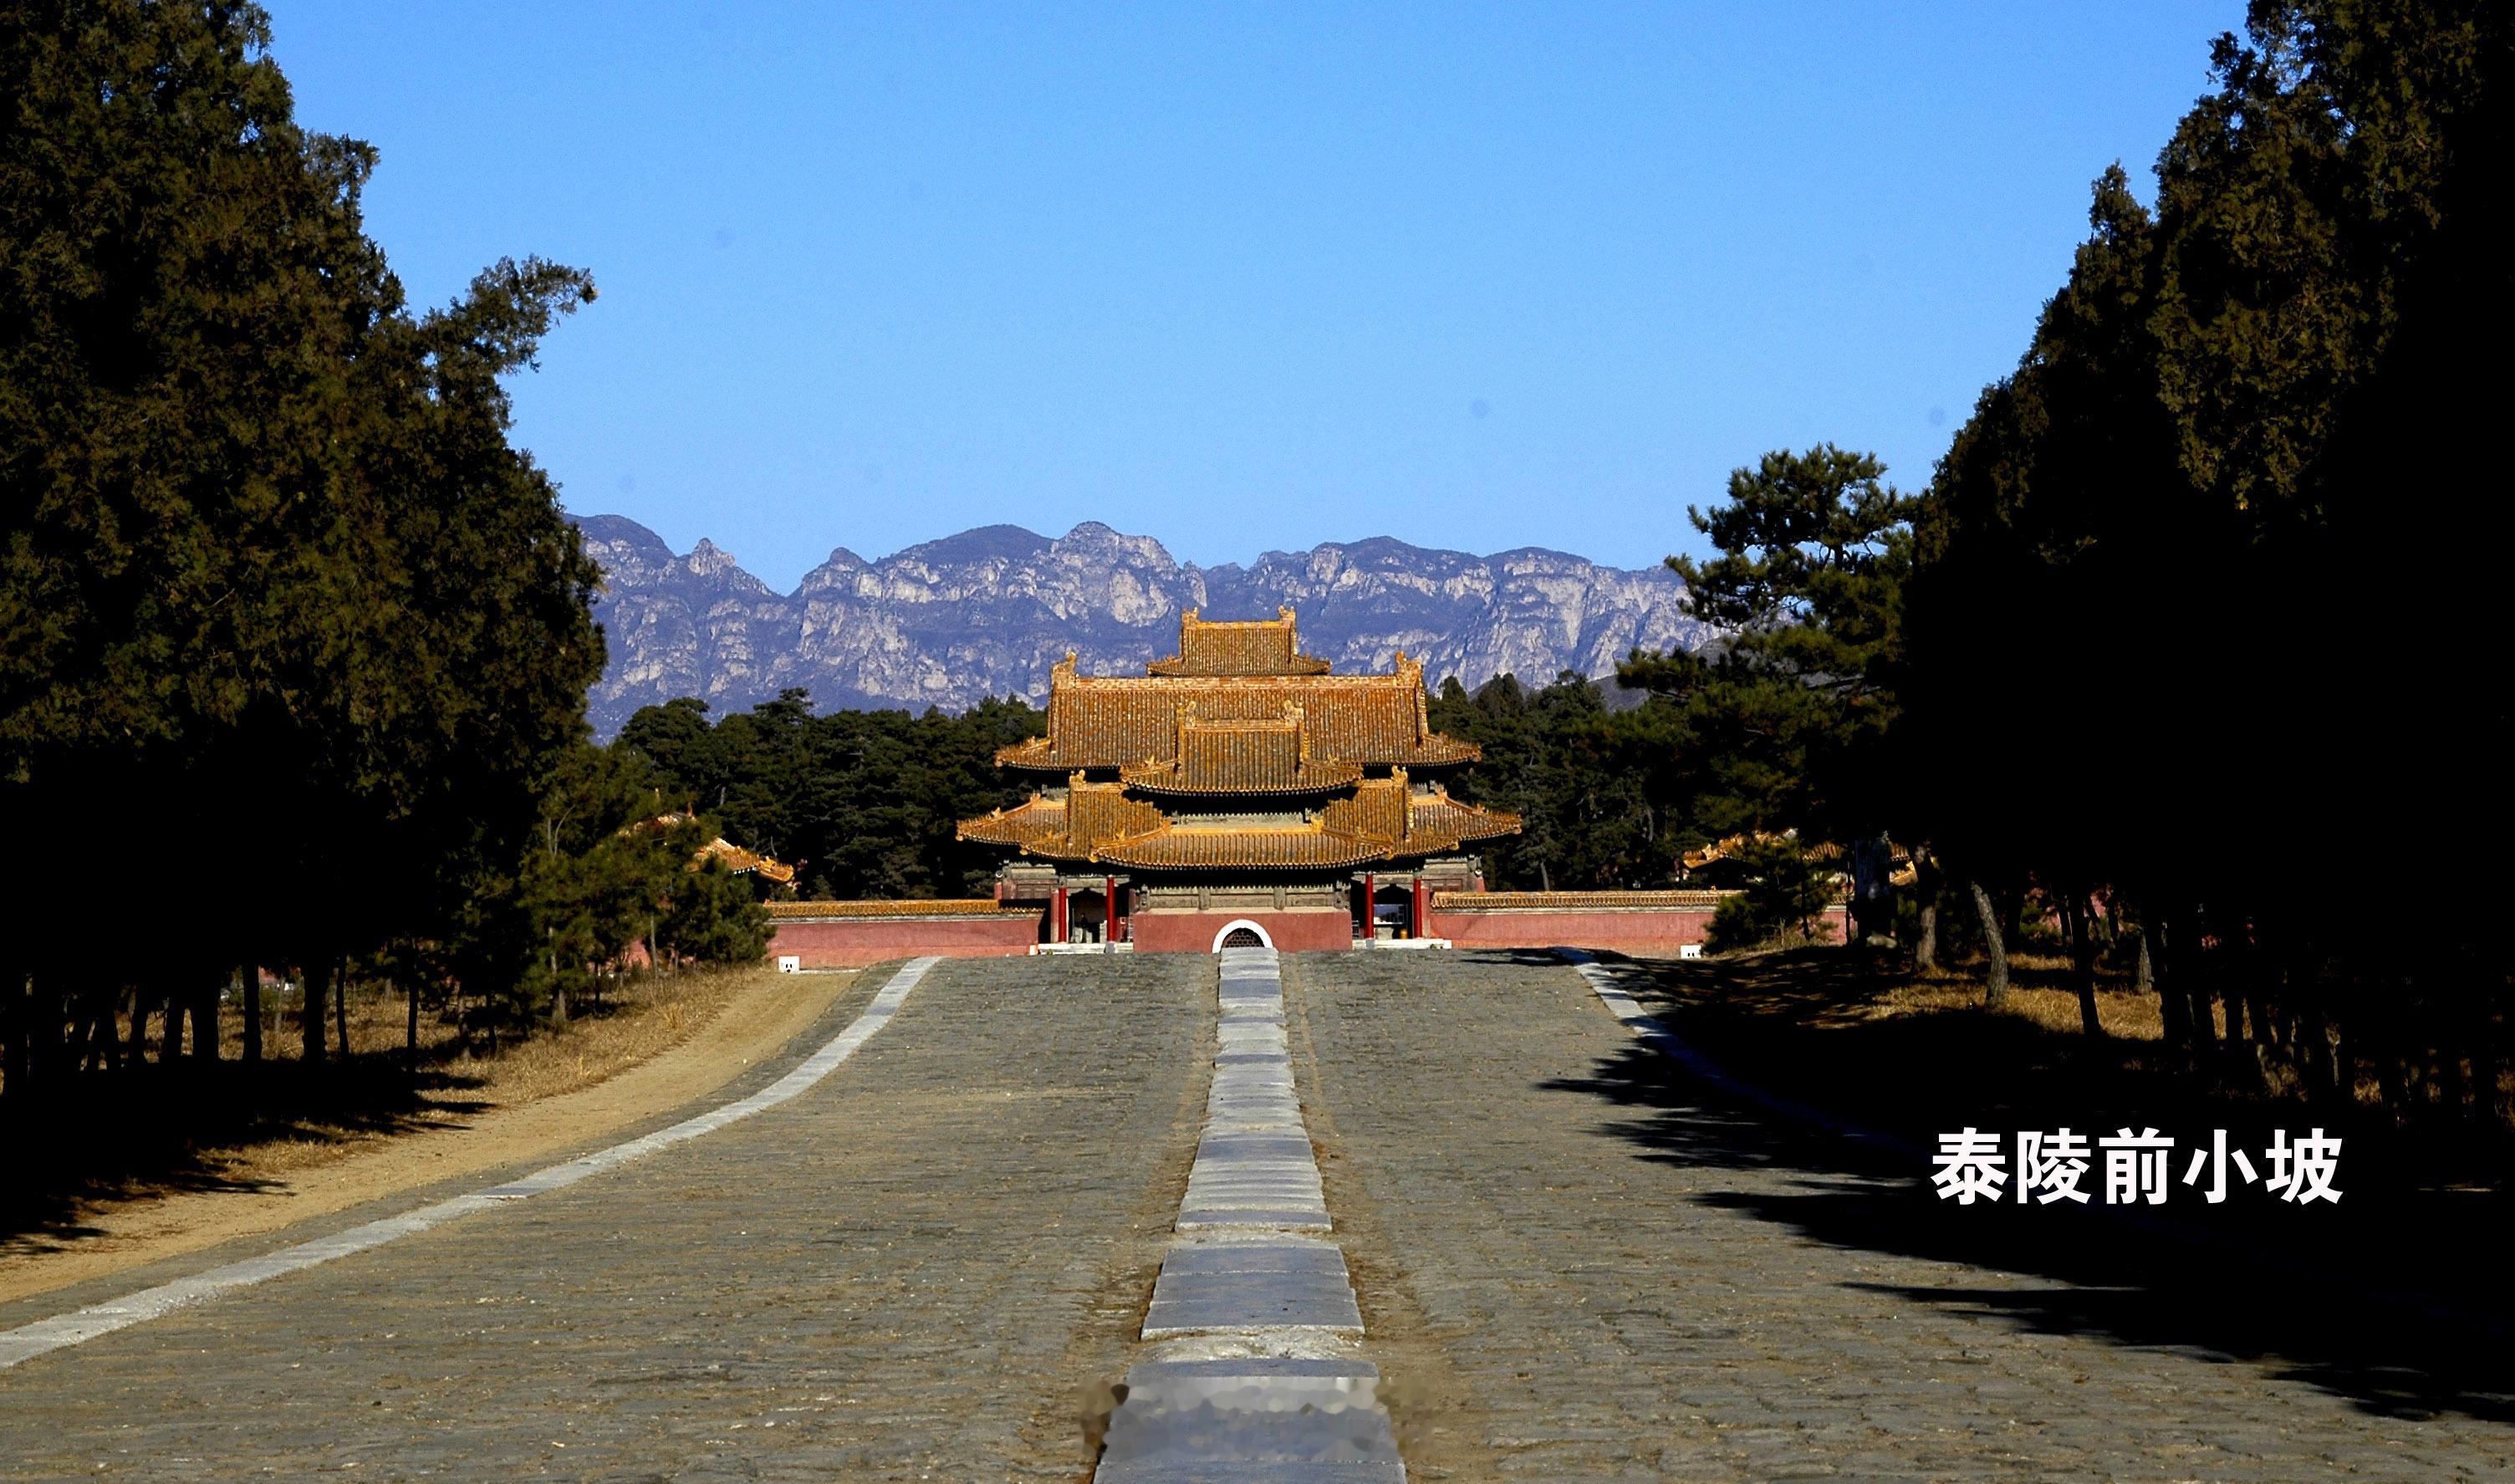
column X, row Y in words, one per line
column 1153, row 1373
column 1289, row 1219
column 1245, row 1304
column 1252, row 1059
column 1255, row 1257
column 1227, row 1169
column 1254, row 1198
column 1189, row 1424
column 1254, row 1146
column 1252, row 1300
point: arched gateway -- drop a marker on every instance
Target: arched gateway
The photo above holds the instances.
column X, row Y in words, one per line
column 1236, row 787
column 1242, row 934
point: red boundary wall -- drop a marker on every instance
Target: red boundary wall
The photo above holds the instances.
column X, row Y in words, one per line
column 1645, row 923
column 1294, row 932
column 1592, row 920
column 848, row 942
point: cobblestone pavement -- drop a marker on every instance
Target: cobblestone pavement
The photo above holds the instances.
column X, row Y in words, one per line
column 917, row 1270
column 1573, row 1269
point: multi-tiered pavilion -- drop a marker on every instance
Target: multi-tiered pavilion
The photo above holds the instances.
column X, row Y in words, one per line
column 1237, row 791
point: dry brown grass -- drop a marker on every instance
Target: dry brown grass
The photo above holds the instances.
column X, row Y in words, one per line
column 160, row 1161
column 641, row 1017
column 155, row 1130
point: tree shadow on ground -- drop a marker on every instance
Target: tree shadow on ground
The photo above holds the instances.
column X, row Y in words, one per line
column 2397, row 1299
column 155, row 1130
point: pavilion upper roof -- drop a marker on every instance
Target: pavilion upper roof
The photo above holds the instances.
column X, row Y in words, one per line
column 1255, row 647
column 1265, row 755
column 1113, row 722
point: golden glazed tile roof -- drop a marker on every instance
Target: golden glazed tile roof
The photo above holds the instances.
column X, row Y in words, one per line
column 1035, row 822
column 743, row 862
column 1066, row 829
column 1239, row 712
column 1109, row 721
column 1259, row 646
column 1302, row 848
column 1444, row 817
column 1242, row 757
column 1411, row 824
column 1816, row 849
column 1382, row 820
column 736, row 859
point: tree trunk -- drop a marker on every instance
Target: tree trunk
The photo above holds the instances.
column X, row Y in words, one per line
column 558, row 986
column 170, row 1046
column 13, row 1032
column 2502, row 1098
column 2082, row 963
column 249, row 1001
column 340, row 1004
column 2193, row 971
column 205, row 1019
column 1995, row 979
column 310, row 1017
column 137, row 1053
column 2329, row 1072
column 108, row 1039
column 2262, row 996
column 2143, row 972
column 1925, row 943
column 2164, row 938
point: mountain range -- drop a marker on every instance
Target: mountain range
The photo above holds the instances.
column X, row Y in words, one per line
column 989, row 611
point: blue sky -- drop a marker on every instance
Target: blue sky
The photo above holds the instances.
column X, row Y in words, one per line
column 1241, row 278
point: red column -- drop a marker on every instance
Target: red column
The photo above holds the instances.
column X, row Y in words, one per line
column 1109, row 910
column 1056, row 921
column 1422, row 909
column 1369, row 908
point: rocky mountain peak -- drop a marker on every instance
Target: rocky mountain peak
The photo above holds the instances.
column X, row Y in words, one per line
column 990, row 612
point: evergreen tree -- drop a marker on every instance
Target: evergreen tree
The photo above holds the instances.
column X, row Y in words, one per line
column 280, row 599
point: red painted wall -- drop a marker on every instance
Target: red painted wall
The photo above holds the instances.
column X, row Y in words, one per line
column 1644, row 931
column 1300, row 932
column 846, row 942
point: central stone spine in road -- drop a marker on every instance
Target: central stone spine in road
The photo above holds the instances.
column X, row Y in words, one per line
column 1257, row 1370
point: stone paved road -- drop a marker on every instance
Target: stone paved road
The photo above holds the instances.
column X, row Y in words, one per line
column 1572, row 1270
column 915, row 1270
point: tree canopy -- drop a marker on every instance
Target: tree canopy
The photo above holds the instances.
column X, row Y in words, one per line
column 287, row 616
